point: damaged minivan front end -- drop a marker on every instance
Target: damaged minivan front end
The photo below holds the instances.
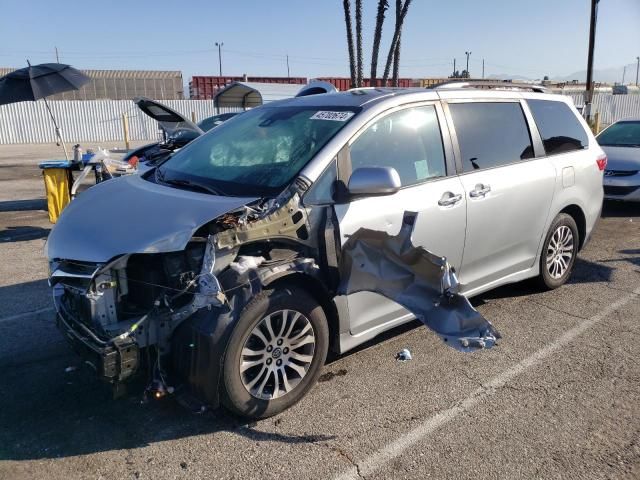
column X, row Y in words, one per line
column 229, row 286
column 121, row 311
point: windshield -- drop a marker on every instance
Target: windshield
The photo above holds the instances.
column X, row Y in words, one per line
column 621, row 134
column 258, row 152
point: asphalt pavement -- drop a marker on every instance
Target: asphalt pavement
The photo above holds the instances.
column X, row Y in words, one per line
column 559, row 397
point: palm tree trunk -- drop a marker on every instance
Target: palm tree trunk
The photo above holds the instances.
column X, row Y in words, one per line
column 347, row 20
column 359, row 66
column 394, row 41
column 396, row 52
column 382, row 7
column 396, row 63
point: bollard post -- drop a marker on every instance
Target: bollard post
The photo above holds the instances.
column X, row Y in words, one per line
column 193, row 116
column 125, row 128
column 596, row 123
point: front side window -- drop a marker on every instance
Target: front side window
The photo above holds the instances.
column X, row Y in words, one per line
column 408, row 140
column 258, row 152
column 559, row 128
column 621, row 134
column 491, row 134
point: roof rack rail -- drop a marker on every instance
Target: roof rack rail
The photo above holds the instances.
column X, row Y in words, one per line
column 489, row 85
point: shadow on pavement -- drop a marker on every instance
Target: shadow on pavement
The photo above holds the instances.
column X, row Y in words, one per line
column 23, row 234
column 635, row 260
column 620, row 209
column 23, row 205
column 48, row 410
column 52, row 413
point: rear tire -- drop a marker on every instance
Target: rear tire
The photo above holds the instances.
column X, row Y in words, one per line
column 275, row 353
column 559, row 252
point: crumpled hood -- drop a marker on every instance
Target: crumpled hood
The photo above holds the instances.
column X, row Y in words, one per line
column 132, row 215
column 622, row 158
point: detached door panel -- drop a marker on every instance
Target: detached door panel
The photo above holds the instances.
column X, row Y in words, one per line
column 410, row 141
column 508, row 192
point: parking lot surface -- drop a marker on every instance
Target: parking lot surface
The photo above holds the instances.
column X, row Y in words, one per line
column 559, row 397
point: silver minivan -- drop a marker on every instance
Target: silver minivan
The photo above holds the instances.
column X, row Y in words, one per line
column 319, row 222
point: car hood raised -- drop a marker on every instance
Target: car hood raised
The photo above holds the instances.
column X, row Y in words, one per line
column 622, row 158
column 132, row 215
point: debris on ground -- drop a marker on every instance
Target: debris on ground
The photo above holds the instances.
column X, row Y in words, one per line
column 404, row 355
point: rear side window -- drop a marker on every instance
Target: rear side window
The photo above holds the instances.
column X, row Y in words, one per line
column 558, row 126
column 491, row 134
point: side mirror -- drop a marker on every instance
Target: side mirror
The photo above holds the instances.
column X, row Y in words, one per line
column 374, row 181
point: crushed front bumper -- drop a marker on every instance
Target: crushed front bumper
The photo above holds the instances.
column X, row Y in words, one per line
column 113, row 362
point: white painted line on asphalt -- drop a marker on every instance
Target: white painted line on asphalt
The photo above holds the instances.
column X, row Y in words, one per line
column 380, row 458
column 26, row 314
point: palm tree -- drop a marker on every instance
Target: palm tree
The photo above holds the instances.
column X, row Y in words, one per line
column 359, row 67
column 396, row 53
column 347, row 20
column 396, row 37
column 383, row 5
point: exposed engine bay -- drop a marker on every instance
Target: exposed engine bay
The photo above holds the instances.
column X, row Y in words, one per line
column 183, row 302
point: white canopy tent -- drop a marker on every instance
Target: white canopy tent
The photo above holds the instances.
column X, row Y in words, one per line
column 253, row 94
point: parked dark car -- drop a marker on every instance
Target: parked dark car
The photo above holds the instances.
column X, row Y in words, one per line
column 621, row 143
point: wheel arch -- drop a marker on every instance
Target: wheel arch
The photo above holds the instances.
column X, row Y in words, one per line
column 319, row 292
column 575, row 212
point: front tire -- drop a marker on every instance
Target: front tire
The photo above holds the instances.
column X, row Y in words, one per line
column 275, row 353
column 559, row 252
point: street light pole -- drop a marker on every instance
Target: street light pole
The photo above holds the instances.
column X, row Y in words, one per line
column 288, row 72
column 637, row 69
column 219, row 45
column 592, row 40
column 468, row 54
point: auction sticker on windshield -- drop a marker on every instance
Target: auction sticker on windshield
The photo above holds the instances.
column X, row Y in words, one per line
column 335, row 116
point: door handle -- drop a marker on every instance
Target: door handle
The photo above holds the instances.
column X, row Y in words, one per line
column 449, row 198
column 480, row 190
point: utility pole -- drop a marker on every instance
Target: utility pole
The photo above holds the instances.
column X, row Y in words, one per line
column 288, row 73
column 468, row 54
column 57, row 56
column 483, row 68
column 592, row 40
column 637, row 69
column 219, row 45
column 454, row 67
column 624, row 71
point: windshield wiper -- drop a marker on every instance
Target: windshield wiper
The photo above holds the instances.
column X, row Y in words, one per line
column 159, row 175
column 193, row 185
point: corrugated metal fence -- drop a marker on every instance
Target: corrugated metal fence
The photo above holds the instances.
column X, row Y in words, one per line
column 611, row 107
column 101, row 120
column 89, row 120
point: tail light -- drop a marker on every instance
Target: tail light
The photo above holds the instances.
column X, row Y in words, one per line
column 602, row 162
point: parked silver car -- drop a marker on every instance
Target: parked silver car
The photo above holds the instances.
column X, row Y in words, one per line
column 621, row 143
column 319, row 222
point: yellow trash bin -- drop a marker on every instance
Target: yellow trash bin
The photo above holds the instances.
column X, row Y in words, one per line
column 57, row 184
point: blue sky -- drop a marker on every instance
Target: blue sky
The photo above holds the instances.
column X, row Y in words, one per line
column 520, row 37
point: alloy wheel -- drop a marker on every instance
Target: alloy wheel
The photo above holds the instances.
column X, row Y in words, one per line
column 277, row 354
column 560, row 251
